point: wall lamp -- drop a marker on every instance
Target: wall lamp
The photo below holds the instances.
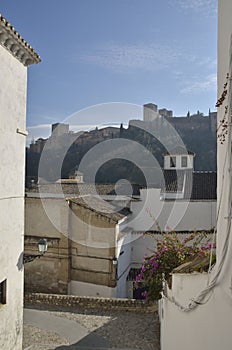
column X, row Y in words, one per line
column 42, row 247
column 115, row 261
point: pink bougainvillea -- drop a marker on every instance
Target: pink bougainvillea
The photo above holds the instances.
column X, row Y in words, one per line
column 171, row 252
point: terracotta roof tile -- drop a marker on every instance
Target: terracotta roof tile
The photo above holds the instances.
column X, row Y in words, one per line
column 198, row 185
column 85, row 189
column 24, row 52
column 178, row 151
column 99, row 206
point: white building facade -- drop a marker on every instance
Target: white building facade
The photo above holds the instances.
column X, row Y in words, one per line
column 204, row 322
column 15, row 56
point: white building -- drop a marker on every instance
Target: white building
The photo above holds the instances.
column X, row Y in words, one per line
column 196, row 312
column 15, row 56
column 179, row 159
column 186, row 201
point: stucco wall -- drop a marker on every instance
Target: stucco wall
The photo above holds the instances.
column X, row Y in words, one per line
column 124, row 251
column 209, row 325
column 79, row 259
column 143, row 245
column 177, row 215
column 13, row 77
column 93, row 242
column 223, row 168
column 91, row 290
column 190, row 163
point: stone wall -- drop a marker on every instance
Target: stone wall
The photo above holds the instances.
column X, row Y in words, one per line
column 92, row 242
column 75, row 302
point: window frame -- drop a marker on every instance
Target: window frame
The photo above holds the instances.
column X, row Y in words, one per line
column 3, row 292
column 185, row 158
column 173, row 162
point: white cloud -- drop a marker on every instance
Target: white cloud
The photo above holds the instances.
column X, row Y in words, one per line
column 209, row 62
column 208, row 84
column 129, row 57
column 150, row 58
column 206, row 7
column 35, row 132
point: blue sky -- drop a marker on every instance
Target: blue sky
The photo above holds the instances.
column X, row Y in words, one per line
column 131, row 51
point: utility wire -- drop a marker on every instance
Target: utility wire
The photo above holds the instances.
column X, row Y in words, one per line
column 199, row 300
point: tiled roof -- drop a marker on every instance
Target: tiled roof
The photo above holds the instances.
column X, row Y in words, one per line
column 179, row 150
column 204, row 185
column 99, row 206
column 68, row 181
column 173, row 180
column 198, row 264
column 185, row 232
column 81, row 189
column 197, row 185
column 14, row 42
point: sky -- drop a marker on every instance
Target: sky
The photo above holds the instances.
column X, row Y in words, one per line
column 128, row 51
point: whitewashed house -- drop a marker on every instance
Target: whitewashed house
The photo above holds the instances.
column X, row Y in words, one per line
column 186, row 203
column 196, row 313
column 15, row 56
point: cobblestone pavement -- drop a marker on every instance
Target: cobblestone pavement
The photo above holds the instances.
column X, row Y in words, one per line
column 120, row 330
column 33, row 337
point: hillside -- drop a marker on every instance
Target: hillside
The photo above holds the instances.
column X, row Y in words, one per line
column 110, row 162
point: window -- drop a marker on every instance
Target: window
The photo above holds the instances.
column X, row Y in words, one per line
column 184, row 162
column 3, row 292
column 172, row 162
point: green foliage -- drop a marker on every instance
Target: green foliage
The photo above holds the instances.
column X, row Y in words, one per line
column 171, row 252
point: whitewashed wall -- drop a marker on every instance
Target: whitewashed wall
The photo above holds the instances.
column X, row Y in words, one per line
column 190, row 163
column 143, row 245
column 124, row 264
column 209, row 325
column 13, row 77
column 91, row 290
column 176, row 215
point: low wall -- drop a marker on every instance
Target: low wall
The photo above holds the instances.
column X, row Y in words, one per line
column 75, row 302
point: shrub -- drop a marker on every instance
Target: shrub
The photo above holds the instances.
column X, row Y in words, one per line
column 171, row 252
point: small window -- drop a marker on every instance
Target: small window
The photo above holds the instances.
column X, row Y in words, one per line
column 172, row 162
column 184, row 162
column 3, row 292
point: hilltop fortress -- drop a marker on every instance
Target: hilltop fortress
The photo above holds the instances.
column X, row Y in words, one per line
column 197, row 131
column 151, row 114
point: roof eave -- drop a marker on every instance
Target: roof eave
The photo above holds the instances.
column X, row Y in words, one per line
column 16, row 45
